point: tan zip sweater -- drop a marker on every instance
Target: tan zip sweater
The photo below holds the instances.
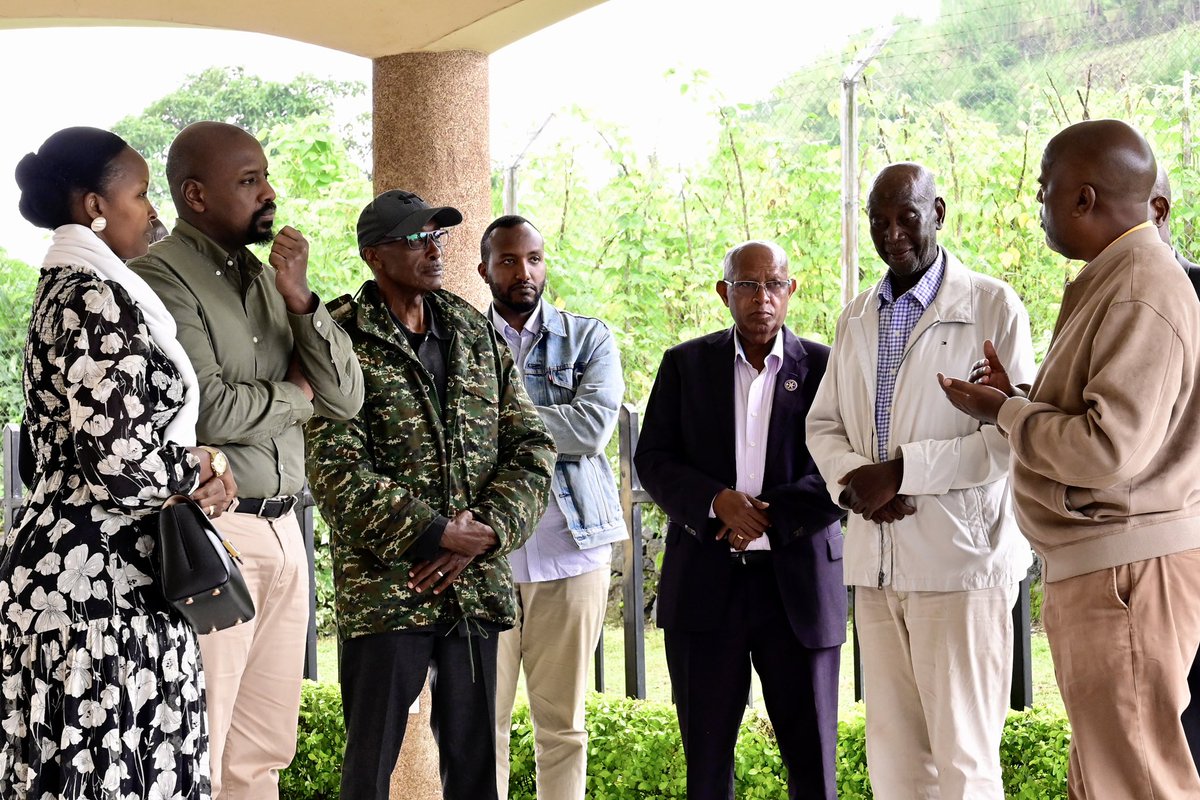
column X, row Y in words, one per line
column 1106, row 450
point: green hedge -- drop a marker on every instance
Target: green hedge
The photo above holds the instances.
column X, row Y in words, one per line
column 634, row 752
column 316, row 771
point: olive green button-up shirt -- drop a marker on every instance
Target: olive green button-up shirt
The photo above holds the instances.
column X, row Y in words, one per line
column 238, row 333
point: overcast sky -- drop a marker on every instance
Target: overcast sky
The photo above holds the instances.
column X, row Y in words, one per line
column 610, row 60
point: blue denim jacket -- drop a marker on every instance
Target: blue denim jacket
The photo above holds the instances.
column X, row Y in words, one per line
column 573, row 375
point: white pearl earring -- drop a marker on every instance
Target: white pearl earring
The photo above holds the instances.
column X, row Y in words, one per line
column 99, row 224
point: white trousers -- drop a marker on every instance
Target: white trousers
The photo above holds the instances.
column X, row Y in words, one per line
column 937, row 669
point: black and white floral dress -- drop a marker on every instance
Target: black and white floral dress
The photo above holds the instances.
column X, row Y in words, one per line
column 101, row 689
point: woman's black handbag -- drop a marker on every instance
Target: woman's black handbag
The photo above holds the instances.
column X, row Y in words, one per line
column 200, row 576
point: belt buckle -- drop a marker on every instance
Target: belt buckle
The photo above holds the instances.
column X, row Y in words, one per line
column 269, row 505
column 751, row 558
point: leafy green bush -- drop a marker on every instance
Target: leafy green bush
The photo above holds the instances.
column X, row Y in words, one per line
column 634, row 753
column 1034, row 754
column 316, row 771
column 851, row 758
column 757, row 766
column 323, row 577
column 634, row 750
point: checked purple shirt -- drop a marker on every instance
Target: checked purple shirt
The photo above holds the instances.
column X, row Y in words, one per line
column 897, row 318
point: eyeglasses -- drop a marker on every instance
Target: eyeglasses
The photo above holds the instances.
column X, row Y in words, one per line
column 420, row 240
column 750, row 288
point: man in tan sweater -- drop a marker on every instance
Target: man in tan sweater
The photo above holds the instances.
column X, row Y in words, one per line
column 1104, row 458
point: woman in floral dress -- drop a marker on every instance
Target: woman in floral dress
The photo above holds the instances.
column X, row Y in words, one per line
column 101, row 688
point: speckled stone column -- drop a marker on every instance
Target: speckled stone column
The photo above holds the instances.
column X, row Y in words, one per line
column 431, row 137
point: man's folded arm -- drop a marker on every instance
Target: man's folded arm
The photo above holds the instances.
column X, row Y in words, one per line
column 230, row 411
column 327, row 358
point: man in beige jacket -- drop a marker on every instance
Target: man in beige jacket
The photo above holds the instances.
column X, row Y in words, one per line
column 1105, row 455
column 932, row 547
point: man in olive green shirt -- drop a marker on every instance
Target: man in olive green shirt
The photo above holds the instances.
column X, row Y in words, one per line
column 268, row 356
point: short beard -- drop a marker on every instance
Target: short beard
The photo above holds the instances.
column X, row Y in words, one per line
column 255, row 234
column 519, row 306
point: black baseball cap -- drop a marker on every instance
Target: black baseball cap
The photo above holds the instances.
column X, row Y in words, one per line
column 397, row 213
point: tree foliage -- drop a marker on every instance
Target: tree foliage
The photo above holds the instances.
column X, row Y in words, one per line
column 18, row 281
column 640, row 244
column 226, row 94
column 321, row 191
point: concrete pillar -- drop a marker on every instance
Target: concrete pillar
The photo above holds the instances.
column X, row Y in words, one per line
column 430, row 118
column 431, row 137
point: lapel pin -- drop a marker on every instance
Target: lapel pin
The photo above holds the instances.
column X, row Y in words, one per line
column 790, row 385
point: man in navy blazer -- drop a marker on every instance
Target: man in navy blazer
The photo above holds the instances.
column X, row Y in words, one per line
column 752, row 569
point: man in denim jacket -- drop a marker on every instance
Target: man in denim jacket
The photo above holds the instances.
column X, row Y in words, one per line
column 572, row 371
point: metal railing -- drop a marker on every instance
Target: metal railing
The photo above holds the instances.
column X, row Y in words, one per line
column 632, row 581
column 14, row 489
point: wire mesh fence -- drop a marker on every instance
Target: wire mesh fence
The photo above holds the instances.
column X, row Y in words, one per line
column 976, row 94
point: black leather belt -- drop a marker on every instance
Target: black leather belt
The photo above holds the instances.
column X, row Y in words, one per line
column 267, row 508
column 751, row 558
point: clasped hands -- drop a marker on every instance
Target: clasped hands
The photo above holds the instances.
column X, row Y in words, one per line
column 985, row 390
column 743, row 516
column 464, row 539
column 873, row 490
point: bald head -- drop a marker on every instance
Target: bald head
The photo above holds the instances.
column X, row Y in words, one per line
column 905, row 177
column 198, row 147
column 756, row 294
column 1096, row 181
column 218, row 177
column 737, row 253
column 1112, row 155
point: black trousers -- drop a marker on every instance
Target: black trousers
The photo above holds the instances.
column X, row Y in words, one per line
column 710, row 675
column 381, row 676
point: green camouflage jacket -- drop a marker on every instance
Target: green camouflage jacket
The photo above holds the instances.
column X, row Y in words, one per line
column 380, row 478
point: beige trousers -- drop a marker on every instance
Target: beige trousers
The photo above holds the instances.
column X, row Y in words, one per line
column 937, row 669
column 558, row 626
column 1123, row 640
column 253, row 670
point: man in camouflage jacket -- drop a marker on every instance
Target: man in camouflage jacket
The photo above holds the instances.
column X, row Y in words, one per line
column 444, row 471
